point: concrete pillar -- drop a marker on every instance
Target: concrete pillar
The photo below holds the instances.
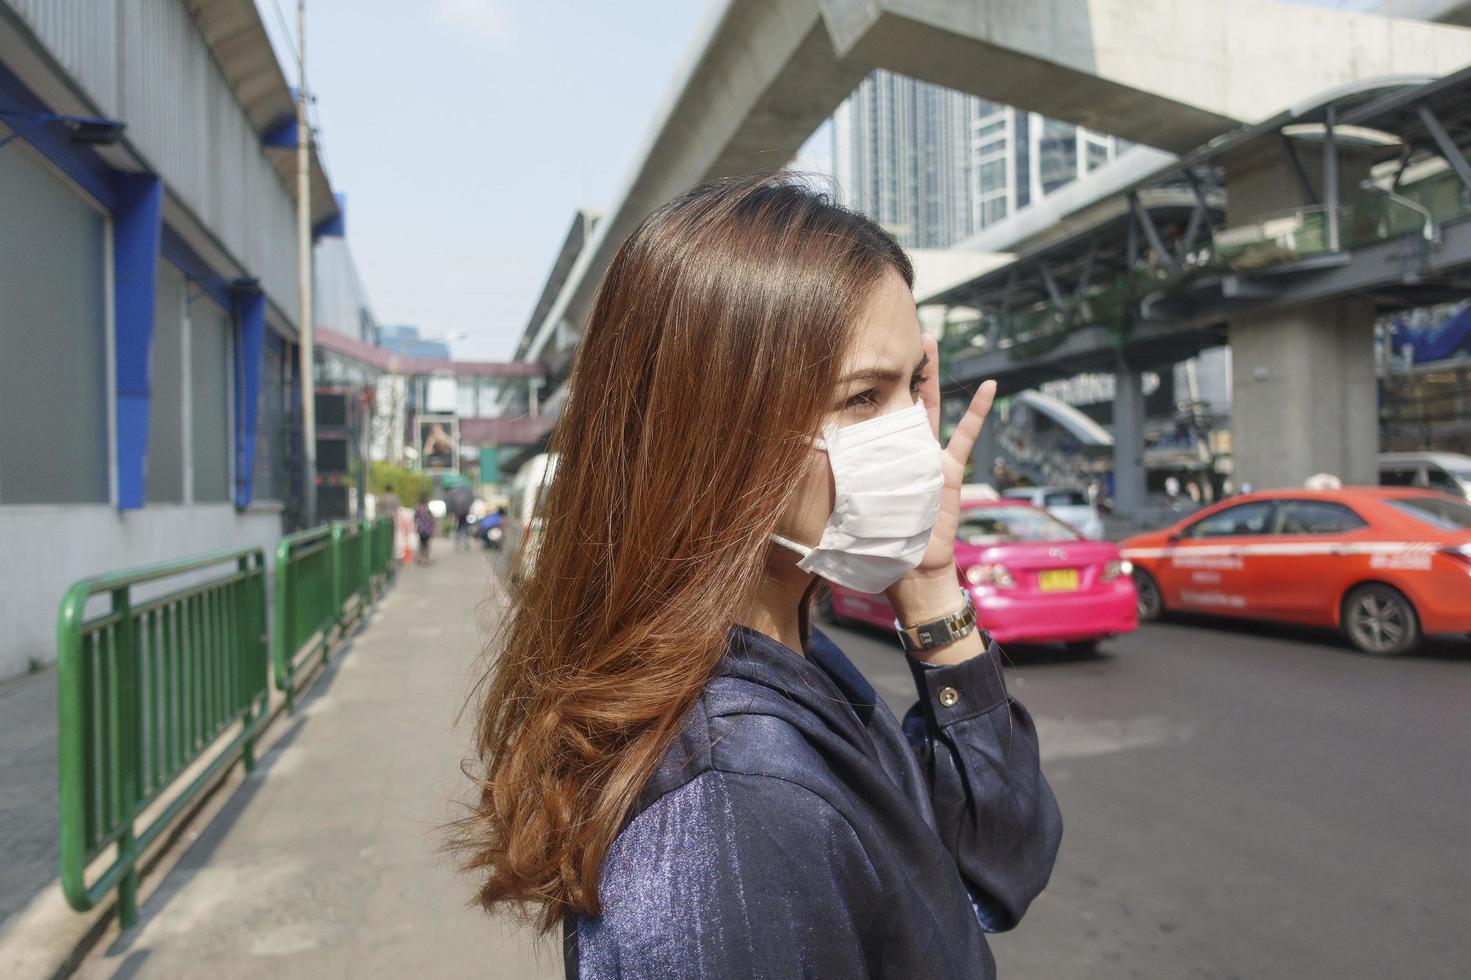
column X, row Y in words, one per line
column 1128, row 439
column 1304, row 398
column 983, row 454
column 1303, row 395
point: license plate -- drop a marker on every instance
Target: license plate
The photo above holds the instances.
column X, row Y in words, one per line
column 1058, row 580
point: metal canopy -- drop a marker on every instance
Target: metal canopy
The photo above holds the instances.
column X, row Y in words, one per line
column 1104, row 246
column 237, row 38
column 1151, row 345
column 393, row 363
column 1162, row 217
column 1398, row 113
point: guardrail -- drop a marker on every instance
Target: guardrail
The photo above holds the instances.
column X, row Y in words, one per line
column 145, row 689
column 306, row 613
column 164, row 684
column 325, row 580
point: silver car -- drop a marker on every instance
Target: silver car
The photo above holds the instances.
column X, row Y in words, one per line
column 1069, row 506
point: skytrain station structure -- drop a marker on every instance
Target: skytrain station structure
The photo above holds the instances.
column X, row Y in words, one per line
column 1279, row 207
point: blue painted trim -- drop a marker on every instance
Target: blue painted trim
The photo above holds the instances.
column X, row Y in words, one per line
column 80, row 163
column 137, row 222
column 336, row 225
column 281, row 133
column 195, row 269
column 250, row 335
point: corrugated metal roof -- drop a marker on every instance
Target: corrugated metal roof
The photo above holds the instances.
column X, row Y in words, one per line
column 238, row 40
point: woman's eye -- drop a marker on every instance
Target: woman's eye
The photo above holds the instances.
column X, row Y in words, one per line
column 862, row 399
column 916, row 384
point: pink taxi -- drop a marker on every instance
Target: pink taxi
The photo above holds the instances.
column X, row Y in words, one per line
column 1033, row 580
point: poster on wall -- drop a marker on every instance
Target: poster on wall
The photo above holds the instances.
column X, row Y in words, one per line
column 439, row 443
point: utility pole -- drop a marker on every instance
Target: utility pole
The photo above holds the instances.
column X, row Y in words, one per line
column 306, row 340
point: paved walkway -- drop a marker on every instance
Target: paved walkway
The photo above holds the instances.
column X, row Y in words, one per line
column 325, row 862
column 27, row 788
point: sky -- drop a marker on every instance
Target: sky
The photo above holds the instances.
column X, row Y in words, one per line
column 466, row 134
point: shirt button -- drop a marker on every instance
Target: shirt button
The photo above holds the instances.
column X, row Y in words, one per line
column 948, row 696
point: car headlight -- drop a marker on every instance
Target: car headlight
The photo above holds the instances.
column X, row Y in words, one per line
column 1118, row 566
column 995, row 574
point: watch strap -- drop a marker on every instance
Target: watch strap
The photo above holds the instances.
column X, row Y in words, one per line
column 927, row 636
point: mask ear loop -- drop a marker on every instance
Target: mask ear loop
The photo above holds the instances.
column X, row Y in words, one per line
column 819, row 443
column 800, row 549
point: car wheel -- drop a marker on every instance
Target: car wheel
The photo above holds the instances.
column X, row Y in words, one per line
column 1151, row 603
column 1380, row 620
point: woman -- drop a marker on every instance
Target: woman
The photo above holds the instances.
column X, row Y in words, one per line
column 678, row 770
column 424, row 526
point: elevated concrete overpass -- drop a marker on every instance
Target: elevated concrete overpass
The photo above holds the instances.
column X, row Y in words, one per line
column 1168, row 73
column 1338, row 210
column 1173, row 74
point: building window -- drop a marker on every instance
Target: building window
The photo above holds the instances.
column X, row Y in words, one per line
column 273, row 426
column 211, row 433
column 165, row 476
column 54, row 390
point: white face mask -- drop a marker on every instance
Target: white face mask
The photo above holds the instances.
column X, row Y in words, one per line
column 887, row 476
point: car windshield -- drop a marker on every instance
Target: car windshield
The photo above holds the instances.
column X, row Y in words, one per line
column 1442, row 512
column 1000, row 525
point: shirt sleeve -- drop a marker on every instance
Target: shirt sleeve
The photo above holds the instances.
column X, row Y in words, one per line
column 977, row 748
column 731, row 875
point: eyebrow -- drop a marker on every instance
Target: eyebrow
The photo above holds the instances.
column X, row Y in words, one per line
column 879, row 374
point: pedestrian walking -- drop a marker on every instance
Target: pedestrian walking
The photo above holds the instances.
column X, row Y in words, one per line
column 424, row 527
column 460, row 501
column 387, row 504
column 678, row 769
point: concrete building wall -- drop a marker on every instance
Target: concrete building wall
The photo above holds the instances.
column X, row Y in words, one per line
column 146, row 64
column 48, row 547
column 74, row 317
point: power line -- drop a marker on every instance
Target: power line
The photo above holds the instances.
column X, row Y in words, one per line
column 285, row 26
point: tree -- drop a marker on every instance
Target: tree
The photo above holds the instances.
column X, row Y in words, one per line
column 411, row 487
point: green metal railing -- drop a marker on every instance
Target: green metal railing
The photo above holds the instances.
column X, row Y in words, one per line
column 325, row 580
column 351, row 576
column 306, row 612
column 146, row 688
column 170, row 680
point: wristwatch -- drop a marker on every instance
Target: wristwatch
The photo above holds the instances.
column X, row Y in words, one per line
column 926, row 636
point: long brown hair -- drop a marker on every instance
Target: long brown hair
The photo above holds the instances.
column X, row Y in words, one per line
column 713, row 349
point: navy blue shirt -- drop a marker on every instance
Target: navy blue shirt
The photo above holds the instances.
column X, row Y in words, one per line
column 796, row 829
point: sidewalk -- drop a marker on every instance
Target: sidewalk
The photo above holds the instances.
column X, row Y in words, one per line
column 324, row 863
column 27, row 788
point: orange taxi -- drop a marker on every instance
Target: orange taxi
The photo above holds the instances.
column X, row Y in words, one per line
column 1386, row 565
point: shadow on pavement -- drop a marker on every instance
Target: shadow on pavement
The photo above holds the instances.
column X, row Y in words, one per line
column 197, row 853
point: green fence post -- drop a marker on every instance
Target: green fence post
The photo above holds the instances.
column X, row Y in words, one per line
column 338, row 599
column 365, row 560
column 125, row 718
column 247, row 648
column 285, row 621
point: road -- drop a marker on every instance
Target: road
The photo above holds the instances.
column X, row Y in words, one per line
column 1242, row 801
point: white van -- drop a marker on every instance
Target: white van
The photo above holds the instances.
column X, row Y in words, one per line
column 523, row 523
column 1446, row 472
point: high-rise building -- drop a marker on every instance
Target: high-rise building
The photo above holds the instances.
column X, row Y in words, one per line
column 935, row 166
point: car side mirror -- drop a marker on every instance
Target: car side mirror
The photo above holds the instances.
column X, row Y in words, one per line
column 1174, row 536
